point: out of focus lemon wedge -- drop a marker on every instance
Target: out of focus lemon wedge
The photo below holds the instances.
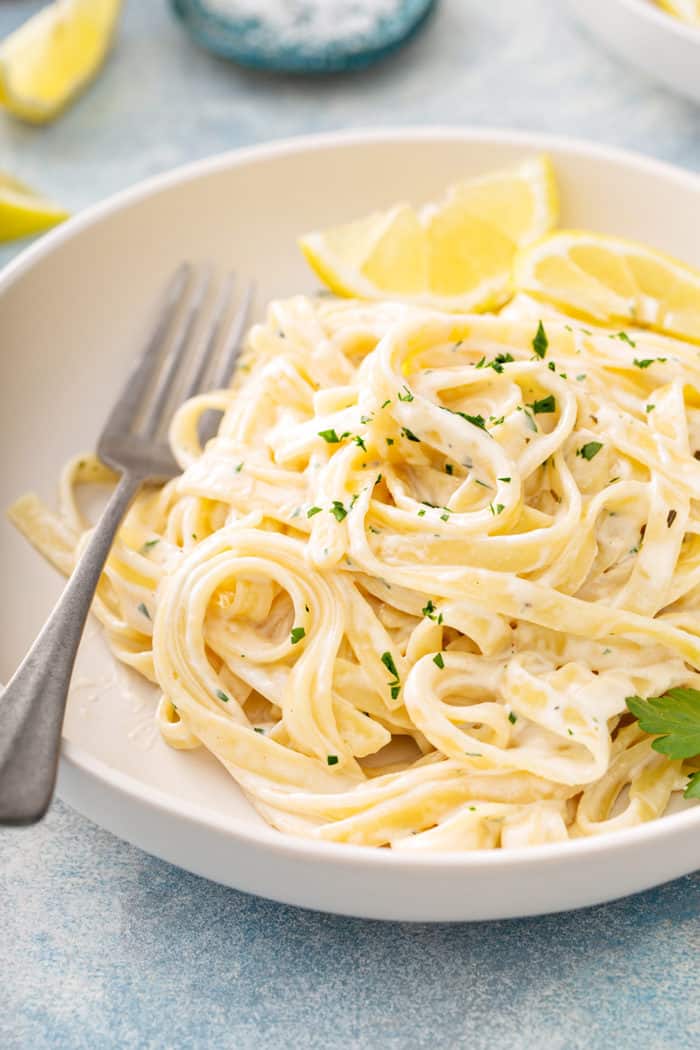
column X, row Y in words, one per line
column 23, row 211
column 456, row 254
column 51, row 57
column 612, row 281
column 688, row 10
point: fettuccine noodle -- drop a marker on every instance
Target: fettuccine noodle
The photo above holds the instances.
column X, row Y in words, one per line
column 403, row 595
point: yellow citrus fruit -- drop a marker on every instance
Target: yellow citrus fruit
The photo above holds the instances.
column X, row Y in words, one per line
column 53, row 55
column 23, row 211
column 688, row 10
column 456, row 254
column 612, row 281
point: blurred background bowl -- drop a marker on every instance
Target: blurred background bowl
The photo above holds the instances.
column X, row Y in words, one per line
column 643, row 34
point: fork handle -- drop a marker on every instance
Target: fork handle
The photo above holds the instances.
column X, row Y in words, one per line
column 32, row 705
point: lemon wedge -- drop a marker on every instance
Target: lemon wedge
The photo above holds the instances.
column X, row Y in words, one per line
column 688, row 10
column 612, row 281
column 51, row 57
column 456, row 254
column 23, row 211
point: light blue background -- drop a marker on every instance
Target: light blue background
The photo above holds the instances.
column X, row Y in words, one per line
column 102, row 946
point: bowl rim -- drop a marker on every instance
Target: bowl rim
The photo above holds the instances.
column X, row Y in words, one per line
column 126, row 786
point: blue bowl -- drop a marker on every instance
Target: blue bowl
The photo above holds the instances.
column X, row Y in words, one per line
column 251, row 42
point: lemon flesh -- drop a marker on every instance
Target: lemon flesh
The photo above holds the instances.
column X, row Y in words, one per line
column 456, row 254
column 23, row 212
column 51, row 57
column 612, row 281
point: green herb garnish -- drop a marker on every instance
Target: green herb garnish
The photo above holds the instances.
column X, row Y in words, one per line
column 540, row 342
column 590, row 449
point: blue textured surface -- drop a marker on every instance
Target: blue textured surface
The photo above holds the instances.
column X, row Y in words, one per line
column 102, row 946
column 254, row 43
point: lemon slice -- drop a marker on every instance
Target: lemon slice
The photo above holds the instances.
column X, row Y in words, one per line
column 456, row 254
column 22, row 211
column 611, row 280
column 53, row 55
column 688, row 10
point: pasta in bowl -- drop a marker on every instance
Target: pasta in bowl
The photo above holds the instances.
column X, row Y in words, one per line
column 404, row 594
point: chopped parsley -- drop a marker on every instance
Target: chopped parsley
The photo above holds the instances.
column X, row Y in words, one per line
column 313, row 510
column 406, row 396
column 149, row 545
column 624, row 337
column 438, row 661
column 408, row 434
column 421, row 513
column 338, row 510
column 259, row 729
column 331, row 760
column 544, row 404
column 144, row 611
column 390, row 441
column 504, row 479
column 387, row 402
column 429, row 610
column 330, row 436
column 540, row 342
column 671, row 517
column 222, row 695
column 360, row 441
column 297, row 634
column 388, row 661
column 590, row 449
column 650, row 408
column 445, row 516
column 498, row 509
column 499, row 361
column 239, row 467
column 512, row 717
column 449, row 469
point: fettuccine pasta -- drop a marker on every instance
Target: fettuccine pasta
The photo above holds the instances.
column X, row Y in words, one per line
column 403, row 595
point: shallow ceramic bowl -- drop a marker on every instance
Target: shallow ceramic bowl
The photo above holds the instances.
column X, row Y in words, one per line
column 657, row 43
column 73, row 308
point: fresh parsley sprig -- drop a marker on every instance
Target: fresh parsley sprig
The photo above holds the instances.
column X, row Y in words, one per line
column 674, row 719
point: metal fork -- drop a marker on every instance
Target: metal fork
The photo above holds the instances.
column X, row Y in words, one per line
column 133, row 444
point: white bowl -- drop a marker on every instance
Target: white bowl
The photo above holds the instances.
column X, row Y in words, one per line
column 72, row 311
column 657, row 43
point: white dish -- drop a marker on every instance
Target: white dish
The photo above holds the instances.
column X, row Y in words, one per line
column 72, row 310
column 657, row 43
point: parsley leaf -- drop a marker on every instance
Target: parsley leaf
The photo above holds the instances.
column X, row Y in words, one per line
column 675, row 717
column 540, row 342
column 330, row 436
column 297, row 634
column 222, row 695
column 545, row 404
column 438, row 661
column 409, row 434
column 693, row 787
column 407, row 396
column 590, row 449
column 331, row 760
column 313, row 510
column 338, row 510
column 388, row 661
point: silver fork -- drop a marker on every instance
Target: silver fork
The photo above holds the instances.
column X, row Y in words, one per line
column 133, row 444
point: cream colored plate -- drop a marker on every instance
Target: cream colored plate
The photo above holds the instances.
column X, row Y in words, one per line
column 73, row 309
